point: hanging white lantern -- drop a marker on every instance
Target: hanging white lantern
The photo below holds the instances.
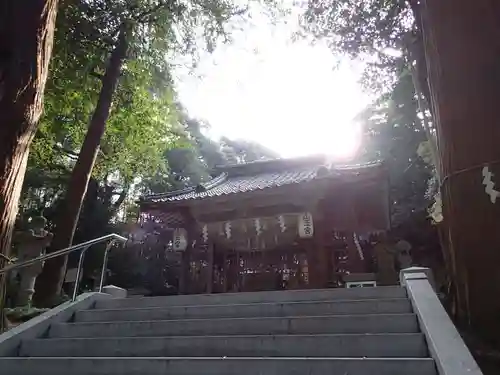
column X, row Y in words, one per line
column 180, row 239
column 306, row 227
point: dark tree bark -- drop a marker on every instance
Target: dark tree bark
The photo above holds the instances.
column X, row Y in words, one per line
column 115, row 207
column 462, row 47
column 49, row 283
column 26, row 37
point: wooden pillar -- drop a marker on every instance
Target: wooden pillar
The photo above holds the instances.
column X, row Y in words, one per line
column 210, row 268
column 312, row 264
column 184, row 273
column 239, row 271
column 323, row 258
column 319, row 269
column 192, row 234
column 225, row 272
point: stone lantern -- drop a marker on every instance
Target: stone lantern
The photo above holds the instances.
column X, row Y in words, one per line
column 403, row 249
column 32, row 244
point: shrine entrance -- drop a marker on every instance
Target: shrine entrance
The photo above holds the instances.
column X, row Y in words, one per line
column 250, row 271
column 274, row 225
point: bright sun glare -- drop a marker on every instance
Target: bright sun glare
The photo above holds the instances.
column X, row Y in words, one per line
column 287, row 96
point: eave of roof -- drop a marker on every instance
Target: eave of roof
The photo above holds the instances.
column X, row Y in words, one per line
column 259, row 176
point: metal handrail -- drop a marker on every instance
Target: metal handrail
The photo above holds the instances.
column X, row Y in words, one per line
column 112, row 238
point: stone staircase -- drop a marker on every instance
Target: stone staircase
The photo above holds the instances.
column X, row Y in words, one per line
column 360, row 331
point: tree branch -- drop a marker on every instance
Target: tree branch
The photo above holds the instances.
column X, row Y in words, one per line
column 69, row 153
column 141, row 17
column 6, row 258
column 121, row 199
column 96, row 75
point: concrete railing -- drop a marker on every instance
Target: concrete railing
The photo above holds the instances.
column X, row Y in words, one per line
column 445, row 344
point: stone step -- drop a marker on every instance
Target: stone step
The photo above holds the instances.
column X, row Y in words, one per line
column 376, row 323
column 398, row 345
column 217, row 366
column 255, row 297
column 340, row 307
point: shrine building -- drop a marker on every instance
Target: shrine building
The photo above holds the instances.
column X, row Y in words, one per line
column 279, row 224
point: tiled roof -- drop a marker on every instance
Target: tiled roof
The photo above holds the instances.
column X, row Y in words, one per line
column 257, row 176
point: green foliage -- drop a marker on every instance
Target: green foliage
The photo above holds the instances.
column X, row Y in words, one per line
column 385, row 36
column 23, row 313
column 209, row 150
column 139, row 127
column 360, row 26
column 143, row 123
column 149, row 138
column 194, row 162
column 374, row 31
column 393, row 134
column 139, row 131
column 242, row 151
column 147, row 266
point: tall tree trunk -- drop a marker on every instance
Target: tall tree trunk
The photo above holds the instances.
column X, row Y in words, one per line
column 416, row 51
column 26, row 37
column 49, row 283
column 422, row 107
column 462, row 45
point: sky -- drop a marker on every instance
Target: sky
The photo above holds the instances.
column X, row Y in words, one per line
column 291, row 96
